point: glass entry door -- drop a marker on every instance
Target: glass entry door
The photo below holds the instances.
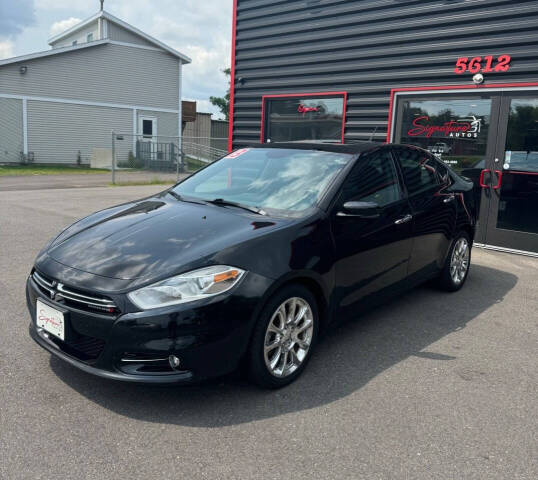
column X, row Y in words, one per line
column 491, row 138
column 511, row 177
column 460, row 130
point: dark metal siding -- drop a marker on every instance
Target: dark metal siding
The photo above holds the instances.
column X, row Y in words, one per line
column 367, row 47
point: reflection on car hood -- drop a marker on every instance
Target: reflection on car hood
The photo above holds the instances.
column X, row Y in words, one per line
column 154, row 237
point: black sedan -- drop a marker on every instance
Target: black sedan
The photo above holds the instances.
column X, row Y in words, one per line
column 248, row 261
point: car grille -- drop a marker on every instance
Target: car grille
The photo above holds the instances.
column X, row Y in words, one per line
column 83, row 347
column 60, row 293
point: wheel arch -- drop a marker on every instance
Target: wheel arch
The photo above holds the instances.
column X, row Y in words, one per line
column 469, row 230
column 313, row 282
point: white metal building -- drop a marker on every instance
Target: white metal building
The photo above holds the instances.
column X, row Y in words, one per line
column 100, row 75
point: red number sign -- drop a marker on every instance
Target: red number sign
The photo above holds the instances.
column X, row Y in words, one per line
column 487, row 64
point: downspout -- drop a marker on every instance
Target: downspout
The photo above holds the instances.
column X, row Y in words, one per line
column 135, row 129
column 25, row 127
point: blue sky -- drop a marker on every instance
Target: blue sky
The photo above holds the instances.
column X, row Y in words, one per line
column 199, row 28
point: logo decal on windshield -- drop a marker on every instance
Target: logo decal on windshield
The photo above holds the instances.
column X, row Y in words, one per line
column 238, row 153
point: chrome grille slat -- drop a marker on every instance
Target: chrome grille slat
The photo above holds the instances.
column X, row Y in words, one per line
column 42, row 280
column 85, row 302
column 68, row 296
column 101, row 301
column 61, row 291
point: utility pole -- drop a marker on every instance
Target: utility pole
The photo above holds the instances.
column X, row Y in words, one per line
column 102, row 2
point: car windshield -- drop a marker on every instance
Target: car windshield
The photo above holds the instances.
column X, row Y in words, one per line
column 276, row 180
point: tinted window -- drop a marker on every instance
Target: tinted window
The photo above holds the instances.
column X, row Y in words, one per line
column 455, row 130
column 304, row 118
column 419, row 170
column 373, row 179
column 278, row 179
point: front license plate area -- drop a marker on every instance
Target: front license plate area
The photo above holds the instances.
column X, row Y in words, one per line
column 50, row 319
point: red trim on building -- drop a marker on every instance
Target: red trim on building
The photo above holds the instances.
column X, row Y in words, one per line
column 232, row 81
column 394, row 91
column 514, row 172
column 293, row 95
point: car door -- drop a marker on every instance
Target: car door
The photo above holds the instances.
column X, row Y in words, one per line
column 434, row 209
column 371, row 253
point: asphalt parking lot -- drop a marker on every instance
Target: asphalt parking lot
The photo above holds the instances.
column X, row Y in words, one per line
column 40, row 182
column 430, row 386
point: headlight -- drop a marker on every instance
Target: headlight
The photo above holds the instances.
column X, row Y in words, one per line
column 202, row 283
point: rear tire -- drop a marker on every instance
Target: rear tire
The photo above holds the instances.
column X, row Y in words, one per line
column 284, row 337
column 457, row 264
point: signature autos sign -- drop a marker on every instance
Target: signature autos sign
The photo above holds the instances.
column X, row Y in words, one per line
column 469, row 127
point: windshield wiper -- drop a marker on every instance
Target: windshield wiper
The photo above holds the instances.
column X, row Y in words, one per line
column 221, row 201
column 179, row 198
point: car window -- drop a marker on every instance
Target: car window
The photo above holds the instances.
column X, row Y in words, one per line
column 373, row 179
column 241, row 175
column 442, row 171
column 278, row 180
column 418, row 168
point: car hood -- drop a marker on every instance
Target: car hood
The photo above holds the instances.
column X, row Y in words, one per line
column 156, row 237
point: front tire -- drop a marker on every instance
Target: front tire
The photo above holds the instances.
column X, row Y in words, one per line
column 457, row 264
column 284, row 337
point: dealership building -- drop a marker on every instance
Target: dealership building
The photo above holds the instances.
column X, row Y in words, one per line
column 456, row 77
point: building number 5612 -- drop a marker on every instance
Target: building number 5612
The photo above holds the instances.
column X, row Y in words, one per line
column 487, row 64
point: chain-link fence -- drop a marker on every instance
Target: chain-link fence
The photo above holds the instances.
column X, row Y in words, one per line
column 142, row 159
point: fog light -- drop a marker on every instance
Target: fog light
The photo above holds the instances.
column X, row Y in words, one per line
column 174, row 361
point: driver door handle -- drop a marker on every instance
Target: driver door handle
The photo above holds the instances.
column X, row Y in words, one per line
column 481, row 180
column 403, row 220
column 449, row 199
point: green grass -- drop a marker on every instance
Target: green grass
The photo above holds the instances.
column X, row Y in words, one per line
column 46, row 170
column 153, row 181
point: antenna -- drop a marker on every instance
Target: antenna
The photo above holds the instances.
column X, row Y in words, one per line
column 373, row 133
column 102, row 2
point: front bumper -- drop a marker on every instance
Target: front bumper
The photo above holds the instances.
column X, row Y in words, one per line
column 43, row 339
column 209, row 337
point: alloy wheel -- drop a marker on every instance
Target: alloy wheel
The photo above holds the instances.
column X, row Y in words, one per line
column 288, row 337
column 459, row 263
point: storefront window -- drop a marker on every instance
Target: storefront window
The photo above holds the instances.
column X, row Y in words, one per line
column 304, row 118
column 454, row 130
column 518, row 202
column 521, row 151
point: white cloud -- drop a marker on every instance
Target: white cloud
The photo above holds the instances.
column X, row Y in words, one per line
column 15, row 16
column 198, row 28
column 204, row 75
column 63, row 25
column 66, row 4
column 6, row 49
column 205, row 106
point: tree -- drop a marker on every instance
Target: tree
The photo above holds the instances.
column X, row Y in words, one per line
column 223, row 103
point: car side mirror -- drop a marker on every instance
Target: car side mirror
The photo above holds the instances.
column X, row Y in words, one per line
column 360, row 209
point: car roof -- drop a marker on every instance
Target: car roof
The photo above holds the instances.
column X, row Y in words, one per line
column 353, row 148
